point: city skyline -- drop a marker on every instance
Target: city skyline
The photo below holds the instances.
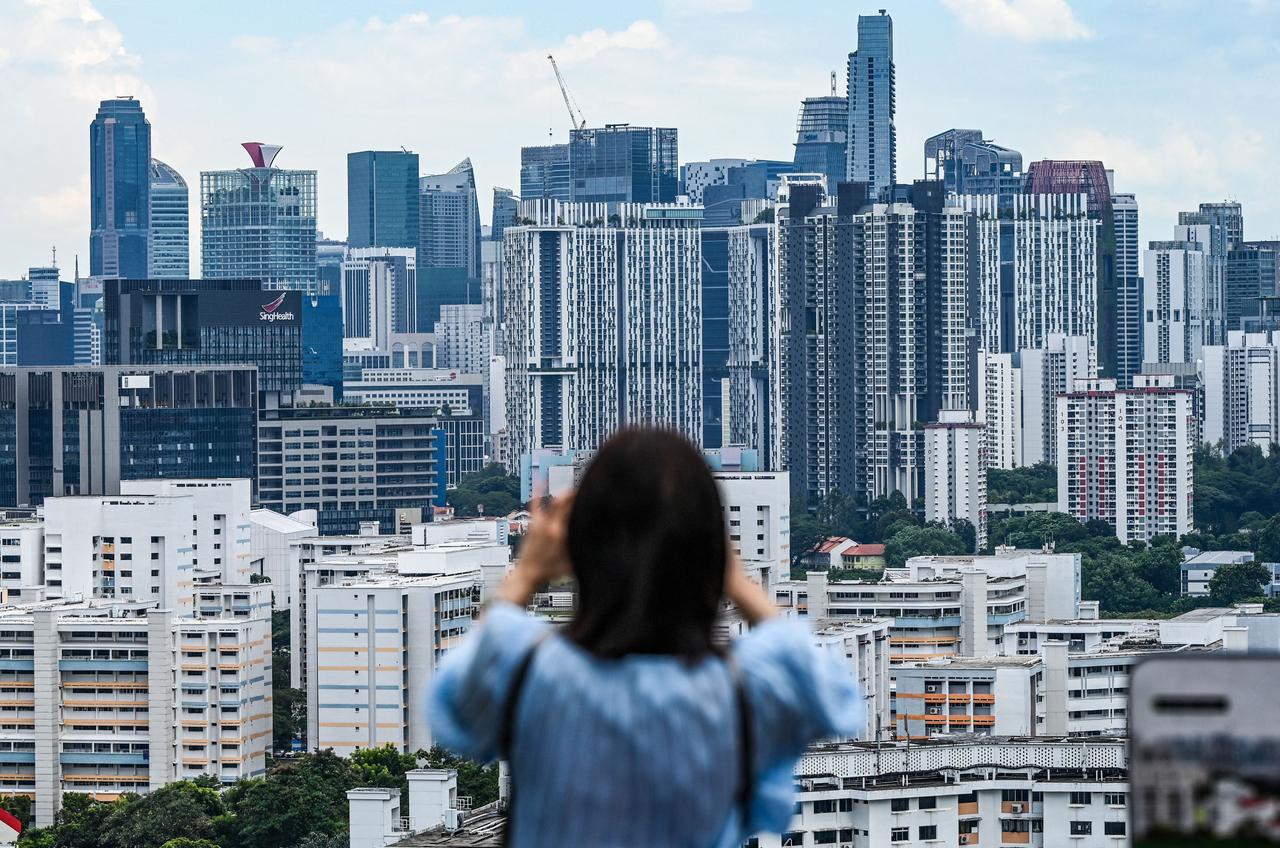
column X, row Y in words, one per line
column 1176, row 134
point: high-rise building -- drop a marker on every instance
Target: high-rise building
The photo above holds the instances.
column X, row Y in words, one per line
column 696, row 176
column 351, row 464
column 259, row 223
column 45, row 286
column 119, row 189
column 1128, row 283
column 578, row 269
column 1242, row 391
column 379, row 293
column 505, row 209
column 449, row 246
column 1000, row 408
column 1253, row 273
column 1037, row 267
column 746, row 192
column 1124, row 456
column 876, row 335
column 872, row 138
column 966, row 163
column 330, row 254
column 1177, row 302
column 1044, row 373
column 322, row 342
column 170, row 223
column 822, row 133
column 80, row 431
column 739, row 348
column 544, row 172
column 462, row 339
column 382, row 199
column 1228, row 214
column 620, row 163
column 1216, row 228
column 205, row 322
column 955, row 477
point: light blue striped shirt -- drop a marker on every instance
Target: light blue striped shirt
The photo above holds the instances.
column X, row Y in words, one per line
column 641, row 751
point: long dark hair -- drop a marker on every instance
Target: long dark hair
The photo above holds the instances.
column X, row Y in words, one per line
column 647, row 543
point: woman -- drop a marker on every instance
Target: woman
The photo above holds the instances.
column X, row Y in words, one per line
column 631, row 727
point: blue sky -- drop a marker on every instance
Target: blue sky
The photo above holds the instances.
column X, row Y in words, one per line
column 1180, row 98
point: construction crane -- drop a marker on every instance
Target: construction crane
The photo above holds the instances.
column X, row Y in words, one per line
column 575, row 114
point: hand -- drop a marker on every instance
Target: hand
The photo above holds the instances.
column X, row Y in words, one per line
column 544, row 556
column 745, row 593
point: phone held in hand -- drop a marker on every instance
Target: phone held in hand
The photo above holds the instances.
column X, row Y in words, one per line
column 1204, row 750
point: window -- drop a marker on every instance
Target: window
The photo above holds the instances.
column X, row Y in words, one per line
column 899, row 834
column 928, row 802
column 1015, row 826
column 1022, row 795
column 899, row 805
column 1079, row 799
column 824, row 806
column 928, row 831
column 1113, row 828
column 1081, row 828
column 967, row 798
column 826, row 837
column 846, row 805
column 1115, row 799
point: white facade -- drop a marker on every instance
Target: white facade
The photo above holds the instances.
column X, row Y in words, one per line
column 604, row 307
column 463, row 338
column 1050, row 793
column 1046, row 373
column 1055, row 269
column 378, row 641
column 379, row 293
column 698, row 175
column 757, row 508
column 955, row 472
column 419, row 388
column 21, row 561
column 1000, row 408
column 220, row 534
column 1242, row 391
column 1125, row 457
column 1177, row 317
column 863, row 648
column 274, row 542
column 753, row 341
column 121, row 697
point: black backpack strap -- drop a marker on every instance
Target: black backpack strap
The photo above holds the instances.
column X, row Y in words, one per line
column 746, row 735
column 507, row 733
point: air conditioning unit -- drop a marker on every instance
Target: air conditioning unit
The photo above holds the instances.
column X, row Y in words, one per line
column 935, row 711
column 1017, row 808
column 932, row 687
column 964, row 839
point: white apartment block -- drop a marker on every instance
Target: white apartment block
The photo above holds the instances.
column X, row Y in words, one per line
column 946, row 606
column 757, row 507
column 21, row 561
column 955, row 471
column 606, row 320
column 422, row 388
column 1049, row 793
column 275, row 540
column 116, row 697
column 1000, row 408
column 1177, row 317
column 220, row 532
column 1241, row 382
column 378, row 641
column 1055, row 270
column 462, row 338
column 862, row 646
column 754, row 384
column 1125, row 456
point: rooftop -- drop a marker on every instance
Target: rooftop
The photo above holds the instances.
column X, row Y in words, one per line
column 482, row 828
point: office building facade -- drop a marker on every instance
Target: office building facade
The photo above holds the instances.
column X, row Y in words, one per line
column 584, row 267
column 449, row 245
column 379, row 293
column 259, row 223
column 619, row 163
column 872, row 137
column 1253, row 276
column 1124, row 456
column 822, row 133
column 967, row 163
column 80, row 431
column 170, row 243
column 1179, row 317
column 119, row 190
column 544, row 172
column 382, row 199
column 1129, row 324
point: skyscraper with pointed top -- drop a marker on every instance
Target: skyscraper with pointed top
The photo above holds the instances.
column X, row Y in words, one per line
column 119, row 189
column 872, row 140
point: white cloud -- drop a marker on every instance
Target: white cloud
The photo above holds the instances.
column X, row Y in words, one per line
column 1023, row 20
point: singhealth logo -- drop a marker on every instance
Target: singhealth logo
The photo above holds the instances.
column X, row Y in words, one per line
column 269, row 313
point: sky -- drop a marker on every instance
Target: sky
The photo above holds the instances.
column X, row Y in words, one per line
column 1180, row 98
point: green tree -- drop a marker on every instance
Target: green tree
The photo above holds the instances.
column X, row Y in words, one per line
column 489, row 491
column 478, row 782
column 912, row 541
column 187, row 842
column 300, row 796
column 1238, row 582
column 1111, row 579
column 322, row 840
column 1030, row 484
column 18, row 806
column 1269, row 540
column 179, row 810
column 288, row 705
column 80, row 822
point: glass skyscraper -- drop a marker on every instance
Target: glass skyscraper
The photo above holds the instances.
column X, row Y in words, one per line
column 449, row 245
column 822, row 133
column 259, row 223
column 119, row 189
column 624, row 164
column 382, row 199
column 544, row 172
column 872, row 138
column 170, row 223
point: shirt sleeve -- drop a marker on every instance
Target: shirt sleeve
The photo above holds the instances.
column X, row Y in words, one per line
column 469, row 693
column 798, row 695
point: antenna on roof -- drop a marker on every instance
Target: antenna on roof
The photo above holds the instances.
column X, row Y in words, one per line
column 833, row 83
column 55, row 256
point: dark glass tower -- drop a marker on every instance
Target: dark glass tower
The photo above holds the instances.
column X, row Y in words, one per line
column 119, row 189
column 624, row 164
column 822, row 133
column 544, row 172
column 873, row 154
column 382, row 199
